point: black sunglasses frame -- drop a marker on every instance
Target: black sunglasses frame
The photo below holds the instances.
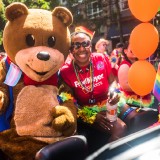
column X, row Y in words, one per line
column 77, row 45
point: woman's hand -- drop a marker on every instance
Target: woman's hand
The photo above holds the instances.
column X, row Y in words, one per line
column 113, row 98
column 116, row 129
column 102, row 123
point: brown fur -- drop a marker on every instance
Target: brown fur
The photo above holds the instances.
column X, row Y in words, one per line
column 38, row 118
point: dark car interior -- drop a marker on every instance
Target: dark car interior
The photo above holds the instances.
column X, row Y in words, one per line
column 81, row 146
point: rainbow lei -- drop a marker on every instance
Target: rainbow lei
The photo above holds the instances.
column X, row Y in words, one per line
column 64, row 97
column 135, row 100
column 88, row 113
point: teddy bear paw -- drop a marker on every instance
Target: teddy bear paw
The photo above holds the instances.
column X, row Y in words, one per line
column 64, row 120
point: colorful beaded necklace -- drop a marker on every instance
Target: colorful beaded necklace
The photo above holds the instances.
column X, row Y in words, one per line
column 84, row 88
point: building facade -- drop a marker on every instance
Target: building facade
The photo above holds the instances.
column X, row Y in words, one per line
column 110, row 19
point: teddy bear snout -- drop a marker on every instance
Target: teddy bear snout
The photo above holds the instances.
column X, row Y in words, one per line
column 44, row 56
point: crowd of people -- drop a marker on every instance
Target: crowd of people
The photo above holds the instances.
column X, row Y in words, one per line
column 90, row 75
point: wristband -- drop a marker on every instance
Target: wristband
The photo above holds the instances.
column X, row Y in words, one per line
column 126, row 113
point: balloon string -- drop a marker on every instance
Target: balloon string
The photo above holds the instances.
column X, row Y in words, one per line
column 149, row 59
column 140, row 107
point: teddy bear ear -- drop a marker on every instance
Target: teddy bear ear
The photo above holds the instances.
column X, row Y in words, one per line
column 63, row 14
column 15, row 10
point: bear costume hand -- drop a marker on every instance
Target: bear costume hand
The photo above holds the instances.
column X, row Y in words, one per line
column 64, row 120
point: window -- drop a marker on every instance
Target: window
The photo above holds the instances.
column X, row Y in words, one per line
column 89, row 9
column 93, row 9
column 124, row 4
column 63, row 1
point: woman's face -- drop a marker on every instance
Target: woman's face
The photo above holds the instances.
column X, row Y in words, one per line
column 129, row 53
column 81, row 49
column 102, row 47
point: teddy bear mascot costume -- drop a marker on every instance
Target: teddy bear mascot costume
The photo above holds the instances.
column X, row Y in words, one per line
column 34, row 111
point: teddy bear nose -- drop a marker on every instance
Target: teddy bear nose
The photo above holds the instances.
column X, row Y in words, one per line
column 44, row 56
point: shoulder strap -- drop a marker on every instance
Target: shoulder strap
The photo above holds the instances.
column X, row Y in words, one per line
column 6, row 116
column 11, row 99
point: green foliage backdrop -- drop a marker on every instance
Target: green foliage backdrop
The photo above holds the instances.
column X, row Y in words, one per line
column 44, row 4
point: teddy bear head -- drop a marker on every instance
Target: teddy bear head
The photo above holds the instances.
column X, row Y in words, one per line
column 37, row 40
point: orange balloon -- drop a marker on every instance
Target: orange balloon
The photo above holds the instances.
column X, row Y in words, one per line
column 144, row 10
column 141, row 77
column 144, row 40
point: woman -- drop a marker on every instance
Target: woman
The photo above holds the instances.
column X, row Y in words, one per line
column 130, row 103
column 89, row 75
column 101, row 46
column 116, row 58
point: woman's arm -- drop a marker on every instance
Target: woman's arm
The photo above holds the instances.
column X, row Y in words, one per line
column 123, row 77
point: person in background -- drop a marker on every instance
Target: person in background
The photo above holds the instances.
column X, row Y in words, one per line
column 118, row 50
column 130, row 103
column 156, row 57
column 101, row 46
column 89, row 75
column 116, row 58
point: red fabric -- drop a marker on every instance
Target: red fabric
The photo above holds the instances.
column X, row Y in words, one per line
column 125, row 62
column 8, row 60
column 114, row 71
column 51, row 81
column 102, row 70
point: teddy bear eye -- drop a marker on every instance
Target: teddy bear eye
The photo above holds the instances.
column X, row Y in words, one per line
column 51, row 41
column 30, row 40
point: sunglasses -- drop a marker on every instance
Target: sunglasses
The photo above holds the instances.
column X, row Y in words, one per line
column 77, row 45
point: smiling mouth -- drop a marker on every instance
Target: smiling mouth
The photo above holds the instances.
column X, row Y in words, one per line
column 41, row 73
